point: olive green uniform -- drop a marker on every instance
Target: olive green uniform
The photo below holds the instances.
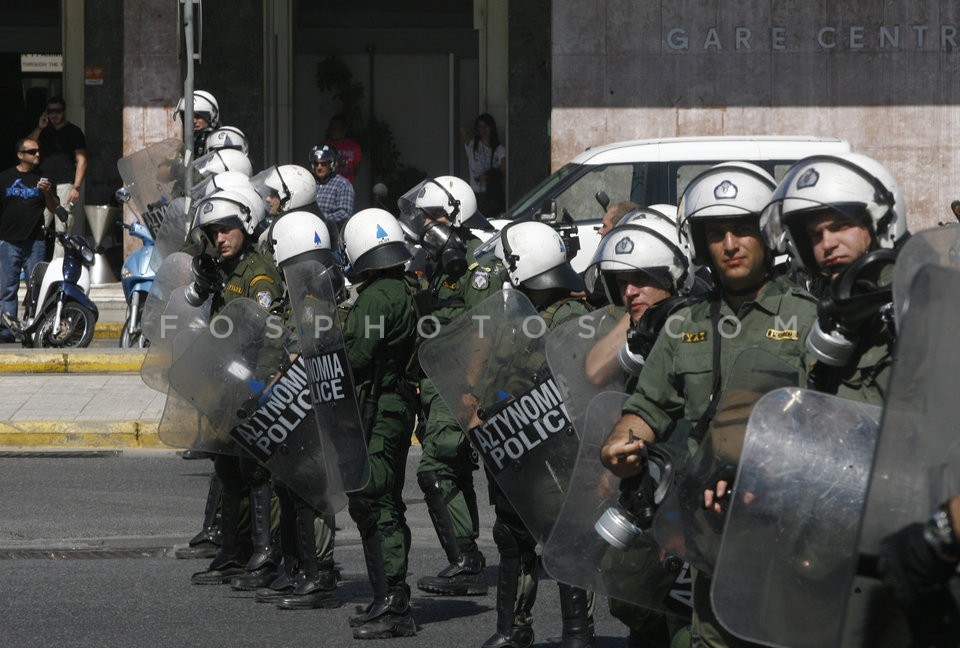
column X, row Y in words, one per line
column 446, row 463
column 379, row 334
column 248, row 275
column 678, row 378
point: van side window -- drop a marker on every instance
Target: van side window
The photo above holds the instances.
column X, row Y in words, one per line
column 579, row 199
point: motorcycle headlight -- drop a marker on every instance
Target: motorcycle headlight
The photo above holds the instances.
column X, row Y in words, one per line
column 125, row 273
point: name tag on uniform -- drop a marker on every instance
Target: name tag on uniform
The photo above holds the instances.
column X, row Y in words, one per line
column 787, row 334
column 699, row 336
column 234, row 289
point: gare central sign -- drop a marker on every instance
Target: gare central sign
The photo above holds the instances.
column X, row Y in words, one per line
column 855, row 37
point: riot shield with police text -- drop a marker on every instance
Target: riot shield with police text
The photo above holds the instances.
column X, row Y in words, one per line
column 154, row 178
column 579, row 554
column 313, row 305
column 489, row 366
column 789, row 549
column 682, row 525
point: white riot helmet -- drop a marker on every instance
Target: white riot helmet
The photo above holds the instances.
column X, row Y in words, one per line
column 724, row 191
column 373, row 240
column 295, row 185
column 228, row 137
column 216, row 162
column 441, row 197
column 536, row 257
column 204, row 105
column 232, row 207
column 215, row 183
column 648, row 243
column 851, row 184
column 300, row 235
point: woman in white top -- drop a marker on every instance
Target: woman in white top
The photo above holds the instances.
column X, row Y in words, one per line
column 487, row 159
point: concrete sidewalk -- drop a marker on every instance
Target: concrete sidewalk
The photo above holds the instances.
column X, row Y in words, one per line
column 78, row 411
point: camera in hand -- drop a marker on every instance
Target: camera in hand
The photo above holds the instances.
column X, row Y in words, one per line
column 623, row 524
column 205, row 277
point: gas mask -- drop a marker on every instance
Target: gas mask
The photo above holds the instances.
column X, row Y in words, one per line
column 444, row 246
column 623, row 524
column 851, row 299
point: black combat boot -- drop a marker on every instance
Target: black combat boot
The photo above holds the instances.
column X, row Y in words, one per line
column 230, row 560
column 316, row 583
column 577, row 625
column 393, row 617
column 207, row 542
column 282, row 585
column 261, row 568
column 464, row 575
column 388, row 615
column 508, row 634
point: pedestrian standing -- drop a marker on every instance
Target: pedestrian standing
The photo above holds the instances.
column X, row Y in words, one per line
column 23, row 196
column 63, row 148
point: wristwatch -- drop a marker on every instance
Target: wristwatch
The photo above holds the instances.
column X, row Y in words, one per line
column 938, row 532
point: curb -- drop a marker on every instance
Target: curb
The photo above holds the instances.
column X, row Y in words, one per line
column 75, row 434
column 107, row 330
column 73, row 361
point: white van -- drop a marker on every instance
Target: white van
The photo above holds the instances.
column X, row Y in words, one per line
column 648, row 172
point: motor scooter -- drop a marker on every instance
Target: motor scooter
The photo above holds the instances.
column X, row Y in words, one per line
column 57, row 309
column 136, row 278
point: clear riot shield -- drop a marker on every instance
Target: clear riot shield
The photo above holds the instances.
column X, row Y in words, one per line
column 937, row 246
column 682, row 525
column 489, row 366
column 789, row 547
column 181, row 425
column 154, row 178
column 227, row 370
column 583, row 360
column 575, row 553
column 917, row 462
column 338, row 445
column 173, row 233
column 174, row 273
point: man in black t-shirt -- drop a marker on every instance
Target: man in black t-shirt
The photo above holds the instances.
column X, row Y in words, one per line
column 23, row 196
column 63, row 148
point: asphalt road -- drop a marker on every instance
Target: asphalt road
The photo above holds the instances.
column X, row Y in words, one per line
column 86, row 559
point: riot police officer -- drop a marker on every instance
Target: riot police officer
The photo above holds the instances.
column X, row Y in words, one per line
column 720, row 212
column 379, row 333
column 438, row 214
column 206, row 118
column 228, row 219
column 645, row 269
column 307, row 577
column 536, row 264
column 845, row 217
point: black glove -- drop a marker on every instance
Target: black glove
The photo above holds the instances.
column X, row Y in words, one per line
column 909, row 567
column 205, row 278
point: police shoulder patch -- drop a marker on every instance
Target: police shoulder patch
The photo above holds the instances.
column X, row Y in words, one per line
column 261, row 277
column 480, row 280
column 265, row 299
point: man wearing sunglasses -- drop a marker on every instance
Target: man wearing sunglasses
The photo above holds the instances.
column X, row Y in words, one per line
column 23, row 196
column 63, row 149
